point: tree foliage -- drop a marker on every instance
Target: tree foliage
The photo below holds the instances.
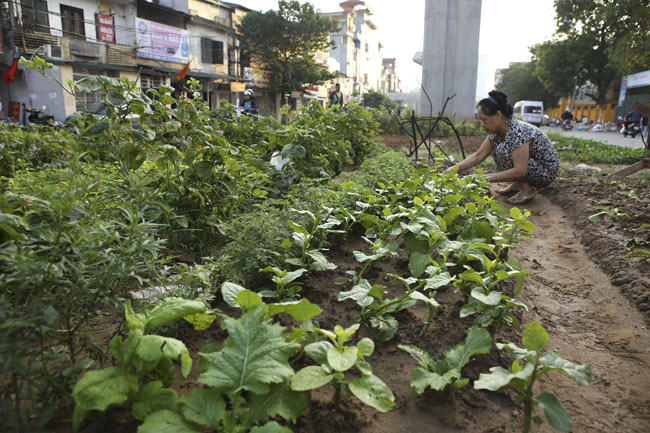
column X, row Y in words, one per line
column 519, row 83
column 284, row 41
column 374, row 99
column 596, row 41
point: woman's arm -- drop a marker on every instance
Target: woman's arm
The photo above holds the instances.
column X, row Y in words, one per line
column 475, row 159
column 520, row 165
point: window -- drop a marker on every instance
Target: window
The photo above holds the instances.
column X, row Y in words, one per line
column 35, row 16
column 211, row 51
column 151, row 81
column 366, row 48
column 72, row 22
column 90, row 102
column 365, row 79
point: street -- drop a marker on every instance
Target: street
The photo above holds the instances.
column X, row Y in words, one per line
column 606, row 137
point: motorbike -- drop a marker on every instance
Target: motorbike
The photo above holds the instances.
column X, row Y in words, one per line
column 632, row 129
column 37, row 117
column 567, row 125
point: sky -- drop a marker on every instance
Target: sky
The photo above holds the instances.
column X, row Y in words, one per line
column 508, row 28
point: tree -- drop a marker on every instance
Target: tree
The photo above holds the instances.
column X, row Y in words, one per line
column 284, row 41
column 374, row 99
column 520, row 83
column 596, row 41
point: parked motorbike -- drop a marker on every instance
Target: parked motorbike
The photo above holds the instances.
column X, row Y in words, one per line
column 37, row 117
column 567, row 125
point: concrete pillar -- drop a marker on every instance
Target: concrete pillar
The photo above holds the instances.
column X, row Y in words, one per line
column 450, row 56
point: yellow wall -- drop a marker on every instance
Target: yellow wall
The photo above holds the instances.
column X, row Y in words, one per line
column 590, row 110
column 69, row 101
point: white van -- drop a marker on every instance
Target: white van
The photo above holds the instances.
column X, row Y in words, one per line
column 529, row 111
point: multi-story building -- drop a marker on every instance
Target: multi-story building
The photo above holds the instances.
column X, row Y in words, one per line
column 146, row 41
column 390, row 82
column 356, row 45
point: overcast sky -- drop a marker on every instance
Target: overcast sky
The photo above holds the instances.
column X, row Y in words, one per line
column 508, row 28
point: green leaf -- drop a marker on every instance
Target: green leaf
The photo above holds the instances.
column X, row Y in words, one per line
column 318, row 351
column 99, row 126
column 493, row 298
column 167, row 311
column 438, row 280
column 478, row 341
column 271, row 427
column 152, row 348
column 419, row 296
column 453, row 213
column 200, row 321
column 516, row 214
column 229, row 292
column 358, row 293
column 555, row 413
column 102, row 389
column 310, row 377
column 279, row 401
column 204, row 407
column 342, row 361
column 248, row 299
column 535, row 337
column 418, row 263
column 373, row 391
column 151, row 398
column 166, row 421
column 301, row 311
column 472, row 276
column 115, row 98
column 580, row 373
column 500, row 377
column 366, row 347
column 421, row 356
column 597, row 217
column 385, row 326
column 515, row 351
column 320, row 262
column 254, row 355
column 423, row 378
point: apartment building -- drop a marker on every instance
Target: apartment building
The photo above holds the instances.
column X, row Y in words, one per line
column 357, row 48
column 151, row 41
column 390, row 82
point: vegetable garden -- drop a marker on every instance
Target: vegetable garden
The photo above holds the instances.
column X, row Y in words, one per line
column 172, row 268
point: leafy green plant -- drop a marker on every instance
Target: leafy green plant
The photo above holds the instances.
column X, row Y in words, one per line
column 310, row 256
column 523, row 377
column 335, row 359
column 593, row 152
column 145, row 368
column 286, row 285
column 446, row 372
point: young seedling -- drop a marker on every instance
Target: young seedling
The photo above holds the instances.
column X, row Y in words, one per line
column 286, row 286
column 439, row 375
column 522, row 378
column 335, row 359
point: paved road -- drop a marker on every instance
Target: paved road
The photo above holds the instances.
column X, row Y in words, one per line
column 605, row 137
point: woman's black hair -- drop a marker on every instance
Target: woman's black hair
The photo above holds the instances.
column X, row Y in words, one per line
column 497, row 101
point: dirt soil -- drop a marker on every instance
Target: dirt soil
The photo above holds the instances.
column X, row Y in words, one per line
column 591, row 299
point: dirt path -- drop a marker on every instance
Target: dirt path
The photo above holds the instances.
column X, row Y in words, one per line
column 589, row 321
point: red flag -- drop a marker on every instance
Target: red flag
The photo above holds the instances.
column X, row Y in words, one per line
column 10, row 76
column 183, row 73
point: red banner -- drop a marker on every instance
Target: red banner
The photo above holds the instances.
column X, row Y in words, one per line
column 105, row 28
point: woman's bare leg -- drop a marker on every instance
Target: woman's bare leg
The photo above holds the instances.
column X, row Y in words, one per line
column 525, row 194
column 510, row 190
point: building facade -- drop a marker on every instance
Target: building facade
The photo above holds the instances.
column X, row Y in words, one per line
column 146, row 41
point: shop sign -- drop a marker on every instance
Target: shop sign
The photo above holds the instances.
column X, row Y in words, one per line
column 640, row 79
column 105, row 28
column 623, row 92
column 14, row 110
column 162, row 42
column 237, row 87
column 261, row 78
column 296, row 94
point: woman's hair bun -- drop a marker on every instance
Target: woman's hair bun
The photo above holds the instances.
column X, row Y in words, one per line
column 496, row 101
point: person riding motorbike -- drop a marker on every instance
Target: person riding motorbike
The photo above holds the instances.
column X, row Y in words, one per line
column 632, row 123
column 249, row 104
column 567, row 120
